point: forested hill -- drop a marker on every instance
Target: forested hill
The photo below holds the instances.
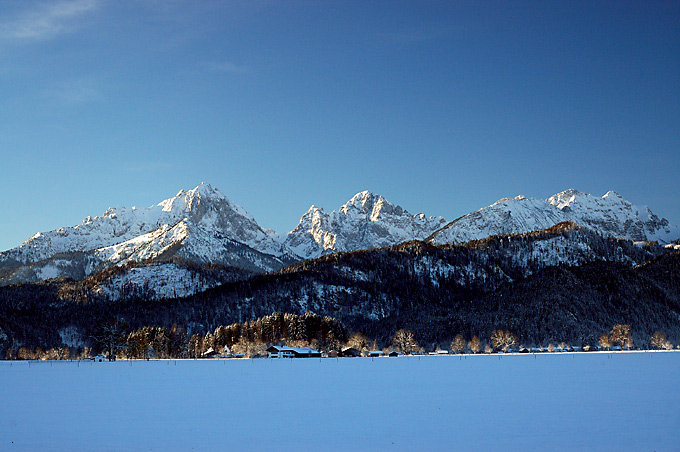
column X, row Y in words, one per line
column 563, row 284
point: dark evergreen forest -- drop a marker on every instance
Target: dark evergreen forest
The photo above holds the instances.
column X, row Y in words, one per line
column 435, row 291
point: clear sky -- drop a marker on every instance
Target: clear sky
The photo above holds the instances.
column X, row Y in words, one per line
column 441, row 107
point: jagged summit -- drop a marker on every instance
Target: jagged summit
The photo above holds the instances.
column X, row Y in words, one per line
column 148, row 233
column 371, row 205
column 506, row 200
column 202, row 225
column 366, row 221
column 610, row 215
column 612, row 194
column 199, row 201
column 117, row 224
column 566, row 197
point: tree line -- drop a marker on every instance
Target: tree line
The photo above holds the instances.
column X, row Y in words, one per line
column 430, row 291
column 252, row 338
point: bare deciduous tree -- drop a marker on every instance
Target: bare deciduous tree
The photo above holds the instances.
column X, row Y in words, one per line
column 24, row 353
column 474, row 345
column 503, row 339
column 358, row 341
column 405, row 341
column 605, row 341
column 458, row 343
column 251, row 349
column 621, row 334
column 659, row 341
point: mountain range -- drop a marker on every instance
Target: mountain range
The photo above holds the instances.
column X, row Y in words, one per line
column 202, row 227
column 565, row 268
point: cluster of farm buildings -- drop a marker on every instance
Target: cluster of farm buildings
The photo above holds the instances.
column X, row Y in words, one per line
column 284, row 351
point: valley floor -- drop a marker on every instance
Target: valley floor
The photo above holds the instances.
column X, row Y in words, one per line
column 580, row 401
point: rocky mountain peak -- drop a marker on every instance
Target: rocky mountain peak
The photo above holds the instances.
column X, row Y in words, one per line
column 612, row 194
column 202, row 225
column 566, row 198
column 610, row 215
column 366, row 221
column 372, row 205
column 156, row 228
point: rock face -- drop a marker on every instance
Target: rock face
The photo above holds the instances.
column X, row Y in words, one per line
column 611, row 216
column 199, row 225
column 366, row 221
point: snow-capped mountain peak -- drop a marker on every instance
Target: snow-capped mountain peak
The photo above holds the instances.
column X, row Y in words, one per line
column 612, row 194
column 367, row 220
column 505, row 216
column 566, row 198
column 202, row 225
column 610, row 215
column 199, row 201
column 203, row 207
column 372, row 205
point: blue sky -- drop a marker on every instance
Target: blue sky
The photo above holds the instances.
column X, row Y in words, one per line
column 442, row 107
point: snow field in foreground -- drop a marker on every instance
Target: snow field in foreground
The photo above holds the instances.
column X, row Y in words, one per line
column 581, row 401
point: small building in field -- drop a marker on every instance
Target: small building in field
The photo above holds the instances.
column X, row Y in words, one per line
column 393, row 354
column 349, row 351
column 283, row 351
column 210, row 353
column 374, row 353
column 97, row 359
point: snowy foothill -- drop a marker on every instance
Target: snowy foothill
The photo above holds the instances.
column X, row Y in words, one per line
column 566, row 401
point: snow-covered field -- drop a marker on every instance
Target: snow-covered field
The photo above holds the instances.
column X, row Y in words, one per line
column 586, row 401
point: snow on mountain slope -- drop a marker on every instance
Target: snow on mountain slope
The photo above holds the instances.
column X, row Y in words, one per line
column 506, row 216
column 192, row 243
column 74, row 265
column 365, row 221
column 205, row 206
column 203, row 226
column 565, row 244
column 166, row 280
column 611, row 215
column 614, row 216
column 200, row 225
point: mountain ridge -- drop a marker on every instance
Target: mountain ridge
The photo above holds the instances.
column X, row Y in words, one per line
column 203, row 226
column 611, row 215
column 366, row 221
